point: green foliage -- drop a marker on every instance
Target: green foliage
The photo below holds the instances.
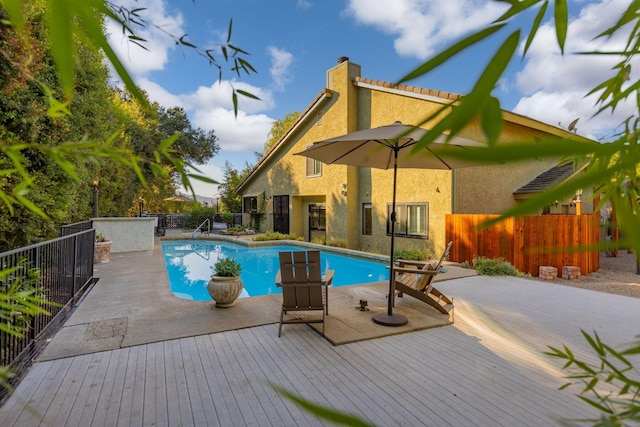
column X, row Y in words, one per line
column 230, row 200
column 20, row 301
column 323, row 412
column 275, row 235
column 226, row 267
column 319, row 240
column 465, row 264
column 494, row 267
column 612, row 385
column 227, row 217
column 278, row 128
column 198, row 215
column 338, row 243
column 414, row 254
column 100, row 237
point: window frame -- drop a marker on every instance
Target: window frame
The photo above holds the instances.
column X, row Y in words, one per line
column 367, row 219
column 248, row 202
column 404, row 219
column 313, row 167
column 320, row 219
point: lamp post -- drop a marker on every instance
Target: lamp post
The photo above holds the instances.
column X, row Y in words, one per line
column 140, row 205
column 95, row 183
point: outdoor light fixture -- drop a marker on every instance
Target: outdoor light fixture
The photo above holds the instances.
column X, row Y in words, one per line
column 141, row 204
column 95, row 183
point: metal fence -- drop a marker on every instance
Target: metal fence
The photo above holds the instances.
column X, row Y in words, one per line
column 60, row 270
column 76, row 227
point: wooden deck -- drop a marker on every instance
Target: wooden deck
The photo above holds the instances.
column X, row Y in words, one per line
column 485, row 370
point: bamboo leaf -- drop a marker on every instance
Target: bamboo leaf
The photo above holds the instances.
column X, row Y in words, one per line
column 63, row 50
column 535, row 26
column 14, row 12
column 562, row 22
column 491, row 120
column 450, row 52
column 247, row 94
column 322, row 412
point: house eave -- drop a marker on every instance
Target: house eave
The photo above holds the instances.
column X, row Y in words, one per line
column 320, row 99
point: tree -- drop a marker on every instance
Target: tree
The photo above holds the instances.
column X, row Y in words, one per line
column 65, row 29
column 278, row 128
column 232, row 177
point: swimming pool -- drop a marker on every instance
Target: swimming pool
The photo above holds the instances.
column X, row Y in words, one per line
column 189, row 267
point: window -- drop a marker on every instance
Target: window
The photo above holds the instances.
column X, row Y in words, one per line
column 318, row 217
column 367, row 218
column 250, row 204
column 411, row 219
column 314, row 167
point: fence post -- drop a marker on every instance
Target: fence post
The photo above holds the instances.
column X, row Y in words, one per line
column 74, row 264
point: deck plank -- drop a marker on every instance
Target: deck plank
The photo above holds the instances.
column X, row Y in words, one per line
column 487, row 369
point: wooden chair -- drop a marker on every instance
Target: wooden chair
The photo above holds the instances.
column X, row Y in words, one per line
column 415, row 278
column 300, row 277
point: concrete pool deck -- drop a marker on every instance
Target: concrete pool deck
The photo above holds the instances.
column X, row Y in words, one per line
column 132, row 304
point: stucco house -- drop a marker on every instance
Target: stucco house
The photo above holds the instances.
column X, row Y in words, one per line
column 296, row 195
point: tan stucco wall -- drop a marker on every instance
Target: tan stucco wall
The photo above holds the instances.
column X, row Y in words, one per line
column 350, row 108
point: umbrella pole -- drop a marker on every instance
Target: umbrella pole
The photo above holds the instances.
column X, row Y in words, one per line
column 388, row 318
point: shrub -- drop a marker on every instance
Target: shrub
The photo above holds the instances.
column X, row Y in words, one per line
column 338, row 243
column 465, row 264
column 198, row 215
column 414, row 254
column 494, row 267
column 319, row 240
column 227, row 217
column 275, row 235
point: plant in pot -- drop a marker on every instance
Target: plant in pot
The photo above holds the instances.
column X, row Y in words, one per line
column 101, row 249
column 225, row 284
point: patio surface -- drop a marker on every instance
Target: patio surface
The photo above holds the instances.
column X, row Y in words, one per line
column 132, row 354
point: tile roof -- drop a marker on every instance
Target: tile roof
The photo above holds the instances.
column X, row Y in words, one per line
column 412, row 89
column 547, row 179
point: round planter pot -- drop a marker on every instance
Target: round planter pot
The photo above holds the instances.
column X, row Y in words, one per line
column 101, row 252
column 225, row 290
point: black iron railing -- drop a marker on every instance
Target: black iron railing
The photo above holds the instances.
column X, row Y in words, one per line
column 60, row 270
column 76, row 227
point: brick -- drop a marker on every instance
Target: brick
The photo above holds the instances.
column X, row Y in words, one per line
column 570, row 272
column 547, row 272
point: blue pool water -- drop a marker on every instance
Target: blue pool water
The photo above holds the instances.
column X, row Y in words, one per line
column 189, row 265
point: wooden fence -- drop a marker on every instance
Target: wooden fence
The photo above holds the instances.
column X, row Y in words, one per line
column 527, row 242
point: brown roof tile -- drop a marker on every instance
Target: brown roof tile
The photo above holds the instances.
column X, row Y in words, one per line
column 407, row 88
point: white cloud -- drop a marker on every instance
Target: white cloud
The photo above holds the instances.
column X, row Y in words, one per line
column 161, row 22
column 280, row 62
column 421, row 26
column 209, row 107
column 303, row 4
column 555, row 85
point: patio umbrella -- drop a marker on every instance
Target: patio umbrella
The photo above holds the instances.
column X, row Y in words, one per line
column 386, row 147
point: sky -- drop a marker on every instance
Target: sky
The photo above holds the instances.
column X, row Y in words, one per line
column 292, row 43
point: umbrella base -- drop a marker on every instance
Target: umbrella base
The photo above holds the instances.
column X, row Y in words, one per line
column 385, row 319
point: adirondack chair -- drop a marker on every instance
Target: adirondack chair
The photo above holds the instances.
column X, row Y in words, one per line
column 415, row 278
column 301, row 280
